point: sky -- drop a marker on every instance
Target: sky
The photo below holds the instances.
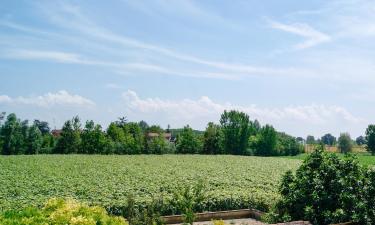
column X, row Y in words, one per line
column 306, row 67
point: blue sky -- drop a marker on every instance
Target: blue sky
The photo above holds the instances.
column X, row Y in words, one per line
column 307, row 67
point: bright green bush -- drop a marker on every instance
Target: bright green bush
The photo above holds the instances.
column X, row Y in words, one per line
column 64, row 212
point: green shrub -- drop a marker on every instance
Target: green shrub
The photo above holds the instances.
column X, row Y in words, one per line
column 64, row 212
column 324, row 190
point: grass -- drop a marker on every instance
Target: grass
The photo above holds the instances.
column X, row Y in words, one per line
column 231, row 181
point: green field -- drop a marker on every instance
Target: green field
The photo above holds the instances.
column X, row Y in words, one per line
column 231, row 181
column 364, row 158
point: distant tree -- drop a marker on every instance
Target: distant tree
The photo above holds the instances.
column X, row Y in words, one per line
column 256, row 125
column 360, row 140
column 288, row 145
column 134, row 138
column 11, row 135
column 236, row 130
column 93, row 139
column 345, row 143
column 155, row 129
column 70, row 139
column 310, row 140
column 34, row 140
column 267, row 141
column 121, row 121
column 328, row 139
column 2, row 116
column 42, row 126
column 300, row 140
column 143, row 125
column 158, row 145
column 370, row 138
column 212, row 139
column 188, row 142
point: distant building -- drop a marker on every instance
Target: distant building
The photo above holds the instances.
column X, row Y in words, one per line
column 56, row 133
column 167, row 136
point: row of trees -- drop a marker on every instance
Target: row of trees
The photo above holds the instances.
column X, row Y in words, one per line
column 345, row 143
column 235, row 134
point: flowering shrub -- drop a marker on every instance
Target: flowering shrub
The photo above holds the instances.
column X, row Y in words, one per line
column 64, row 212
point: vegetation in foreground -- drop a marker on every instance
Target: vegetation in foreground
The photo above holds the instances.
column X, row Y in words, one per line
column 59, row 211
column 327, row 189
column 232, row 182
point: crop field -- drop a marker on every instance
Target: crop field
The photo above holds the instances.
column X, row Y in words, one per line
column 231, row 181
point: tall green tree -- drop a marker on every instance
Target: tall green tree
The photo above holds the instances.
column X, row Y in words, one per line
column 360, row 140
column 345, row 144
column 236, row 130
column 370, row 138
column 328, row 139
column 212, row 139
column 310, row 140
column 43, row 126
column 267, row 141
column 34, row 140
column 93, row 138
column 70, row 139
column 11, row 135
column 188, row 142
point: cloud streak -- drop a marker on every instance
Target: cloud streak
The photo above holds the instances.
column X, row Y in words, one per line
column 313, row 37
column 60, row 98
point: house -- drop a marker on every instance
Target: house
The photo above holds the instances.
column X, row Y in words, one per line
column 56, row 133
column 167, row 136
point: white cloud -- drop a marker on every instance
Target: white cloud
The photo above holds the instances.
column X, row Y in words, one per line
column 313, row 37
column 203, row 110
column 61, row 98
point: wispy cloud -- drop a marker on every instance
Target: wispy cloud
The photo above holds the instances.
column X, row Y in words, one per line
column 313, row 37
column 60, row 98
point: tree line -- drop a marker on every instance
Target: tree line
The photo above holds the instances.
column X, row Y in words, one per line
column 235, row 134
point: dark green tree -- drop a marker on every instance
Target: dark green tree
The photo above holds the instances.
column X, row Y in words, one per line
column 267, row 141
column 310, row 140
column 42, row 126
column 34, row 140
column 370, row 138
column 328, row 139
column 11, row 135
column 94, row 140
column 212, row 139
column 188, row 142
column 70, row 139
column 360, row 140
column 345, row 144
column 236, row 128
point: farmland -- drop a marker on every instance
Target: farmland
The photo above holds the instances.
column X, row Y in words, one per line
column 231, row 181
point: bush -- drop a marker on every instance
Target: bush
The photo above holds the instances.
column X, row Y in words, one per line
column 324, row 190
column 59, row 211
column 345, row 143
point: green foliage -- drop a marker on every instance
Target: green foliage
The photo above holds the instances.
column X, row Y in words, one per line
column 233, row 182
column 34, row 140
column 236, row 128
column 328, row 139
column 345, row 144
column 158, row 145
column 267, row 141
column 93, row 140
column 324, row 190
column 360, row 140
column 188, row 200
column 212, row 139
column 13, row 136
column 187, row 142
column 370, row 138
column 70, row 139
column 288, row 145
column 59, row 211
column 310, row 140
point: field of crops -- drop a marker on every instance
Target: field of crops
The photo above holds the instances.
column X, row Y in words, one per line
column 231, row 181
